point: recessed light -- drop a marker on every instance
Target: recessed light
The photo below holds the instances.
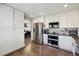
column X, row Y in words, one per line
column 65, row 5
column 42, row 13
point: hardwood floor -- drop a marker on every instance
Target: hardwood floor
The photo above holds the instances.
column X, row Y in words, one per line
column 33, row 49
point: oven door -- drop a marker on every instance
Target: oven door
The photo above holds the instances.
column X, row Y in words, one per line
column 53, row 43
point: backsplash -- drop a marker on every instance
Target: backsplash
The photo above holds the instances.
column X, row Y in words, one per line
column 59, row 30
column 56, row 30
column 65, row 31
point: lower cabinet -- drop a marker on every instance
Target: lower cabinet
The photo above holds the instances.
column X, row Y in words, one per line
column 6, row 40
column 11, row 40
column 45, row 38
column 18, row 38
column 65, row 42
column 18, row 26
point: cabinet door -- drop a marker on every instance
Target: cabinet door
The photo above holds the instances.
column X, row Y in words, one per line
column 63, row 20
column 45, row 38
column 6, row 41
column 73, row 18
column 18, row 18
column 6, row 16
column 6, row 21
column 65, row 42
column 18, row 29
column 18, row 38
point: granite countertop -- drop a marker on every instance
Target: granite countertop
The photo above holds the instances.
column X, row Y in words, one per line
column 58, row 34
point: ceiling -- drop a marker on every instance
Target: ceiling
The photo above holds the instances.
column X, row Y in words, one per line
column 46, row 9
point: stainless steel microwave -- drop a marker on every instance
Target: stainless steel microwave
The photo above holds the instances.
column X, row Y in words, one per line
column 54, row 25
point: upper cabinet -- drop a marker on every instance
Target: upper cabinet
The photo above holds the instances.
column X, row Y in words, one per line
column 73, row 18
column 6, row 16
column 63, row 20
column 18, row 18
column 67, row 19
column 6, row 34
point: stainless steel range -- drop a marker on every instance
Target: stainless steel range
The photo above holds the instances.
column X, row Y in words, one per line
column 53, row 40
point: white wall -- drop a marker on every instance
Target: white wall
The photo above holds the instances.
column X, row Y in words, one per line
column 38, row 19
column 47, row 20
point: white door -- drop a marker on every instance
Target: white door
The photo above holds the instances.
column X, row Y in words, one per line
column 6, row 21
column 18, row 29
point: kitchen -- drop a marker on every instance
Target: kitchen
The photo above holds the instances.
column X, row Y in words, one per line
column 54, row 29
column 61, row 30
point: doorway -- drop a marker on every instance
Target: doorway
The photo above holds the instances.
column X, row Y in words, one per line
column 27, row 31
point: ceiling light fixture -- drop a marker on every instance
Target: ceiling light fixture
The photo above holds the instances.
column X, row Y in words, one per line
column 65, row 5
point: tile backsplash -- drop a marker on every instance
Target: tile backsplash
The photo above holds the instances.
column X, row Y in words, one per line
column 56, row 30
column 59, row 30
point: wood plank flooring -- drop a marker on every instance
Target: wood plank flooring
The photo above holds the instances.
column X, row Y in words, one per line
column 33, row 49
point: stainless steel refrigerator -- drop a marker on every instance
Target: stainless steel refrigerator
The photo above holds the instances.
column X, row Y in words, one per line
column 38, row 33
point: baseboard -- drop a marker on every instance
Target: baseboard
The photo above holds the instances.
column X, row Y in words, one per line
column 7, row 54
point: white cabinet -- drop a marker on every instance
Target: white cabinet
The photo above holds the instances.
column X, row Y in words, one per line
column 6, row 16
column 65, row 42
column 6, row 40
column 45, row 38
column 73, row 18
column 18, row 29
column 69, row 19
column 63, row 20
column 18, row 18
column 11, row 29
column 6, row 35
